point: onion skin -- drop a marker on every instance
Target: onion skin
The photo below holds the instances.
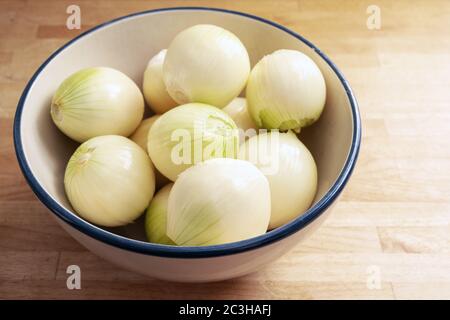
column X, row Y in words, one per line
column 140, row 137
column 97, row 101
column 109, row 180
column 156, row 217
column 286, row 90
column 153, row 87
column 290, row 169
column 205, row 127
column 218, row 201
column 206, row 64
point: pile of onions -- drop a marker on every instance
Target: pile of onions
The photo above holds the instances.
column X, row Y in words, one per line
column 203, row 175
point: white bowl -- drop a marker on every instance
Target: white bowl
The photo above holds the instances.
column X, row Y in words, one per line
column 126, row 44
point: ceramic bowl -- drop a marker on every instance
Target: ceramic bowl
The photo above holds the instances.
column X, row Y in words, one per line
column 127, row 43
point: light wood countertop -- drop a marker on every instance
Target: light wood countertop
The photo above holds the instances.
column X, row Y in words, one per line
column 392, row 219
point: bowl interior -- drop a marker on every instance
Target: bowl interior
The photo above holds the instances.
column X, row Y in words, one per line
column 127, row 45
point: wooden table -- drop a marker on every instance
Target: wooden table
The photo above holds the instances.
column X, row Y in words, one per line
column 392, row 222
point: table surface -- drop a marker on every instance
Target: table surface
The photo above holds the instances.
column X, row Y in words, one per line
column 389, row 235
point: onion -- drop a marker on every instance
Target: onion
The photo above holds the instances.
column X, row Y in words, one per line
column 218, row 201
column 156, row 217
column 290, row 170
column 285, row 90
column 97, row 101
column 109, row 180
column 206, row 63
column 140, row 137
column 153, row 86
column 141, row 134
column 237, row 110
column 189, row 134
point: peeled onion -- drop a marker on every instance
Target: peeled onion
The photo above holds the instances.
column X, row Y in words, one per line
column 156, row 217
column 97, row 101
column 189, row 134
column 141, row 134
column 140, row 137
column 109, row 180
column 286, row 90
column 237, row 110
column 218, row 201
column 153, row 86
column 290, row 169
column 207, row 64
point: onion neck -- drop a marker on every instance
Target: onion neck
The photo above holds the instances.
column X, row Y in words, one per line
column 82, row 157
column 56, row 111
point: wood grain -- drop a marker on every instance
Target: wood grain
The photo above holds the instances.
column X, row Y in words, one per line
column 392, row 220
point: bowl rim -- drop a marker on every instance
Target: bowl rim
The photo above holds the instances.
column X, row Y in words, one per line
column 147, row 248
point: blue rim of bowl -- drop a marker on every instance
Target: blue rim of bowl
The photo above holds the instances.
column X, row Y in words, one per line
column 191, row 252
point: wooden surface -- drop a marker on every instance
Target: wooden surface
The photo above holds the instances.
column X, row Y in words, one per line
column 392, row 220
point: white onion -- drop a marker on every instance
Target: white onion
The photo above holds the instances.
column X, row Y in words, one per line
column 290, row 169
column 189, row 134
column 140, row 136
column 156, row 217
column 285, row 90
column 109, row 180
column 153, row 86
column 218, row 201
column 207, row 64
column 97, row 101
column 237, row 110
